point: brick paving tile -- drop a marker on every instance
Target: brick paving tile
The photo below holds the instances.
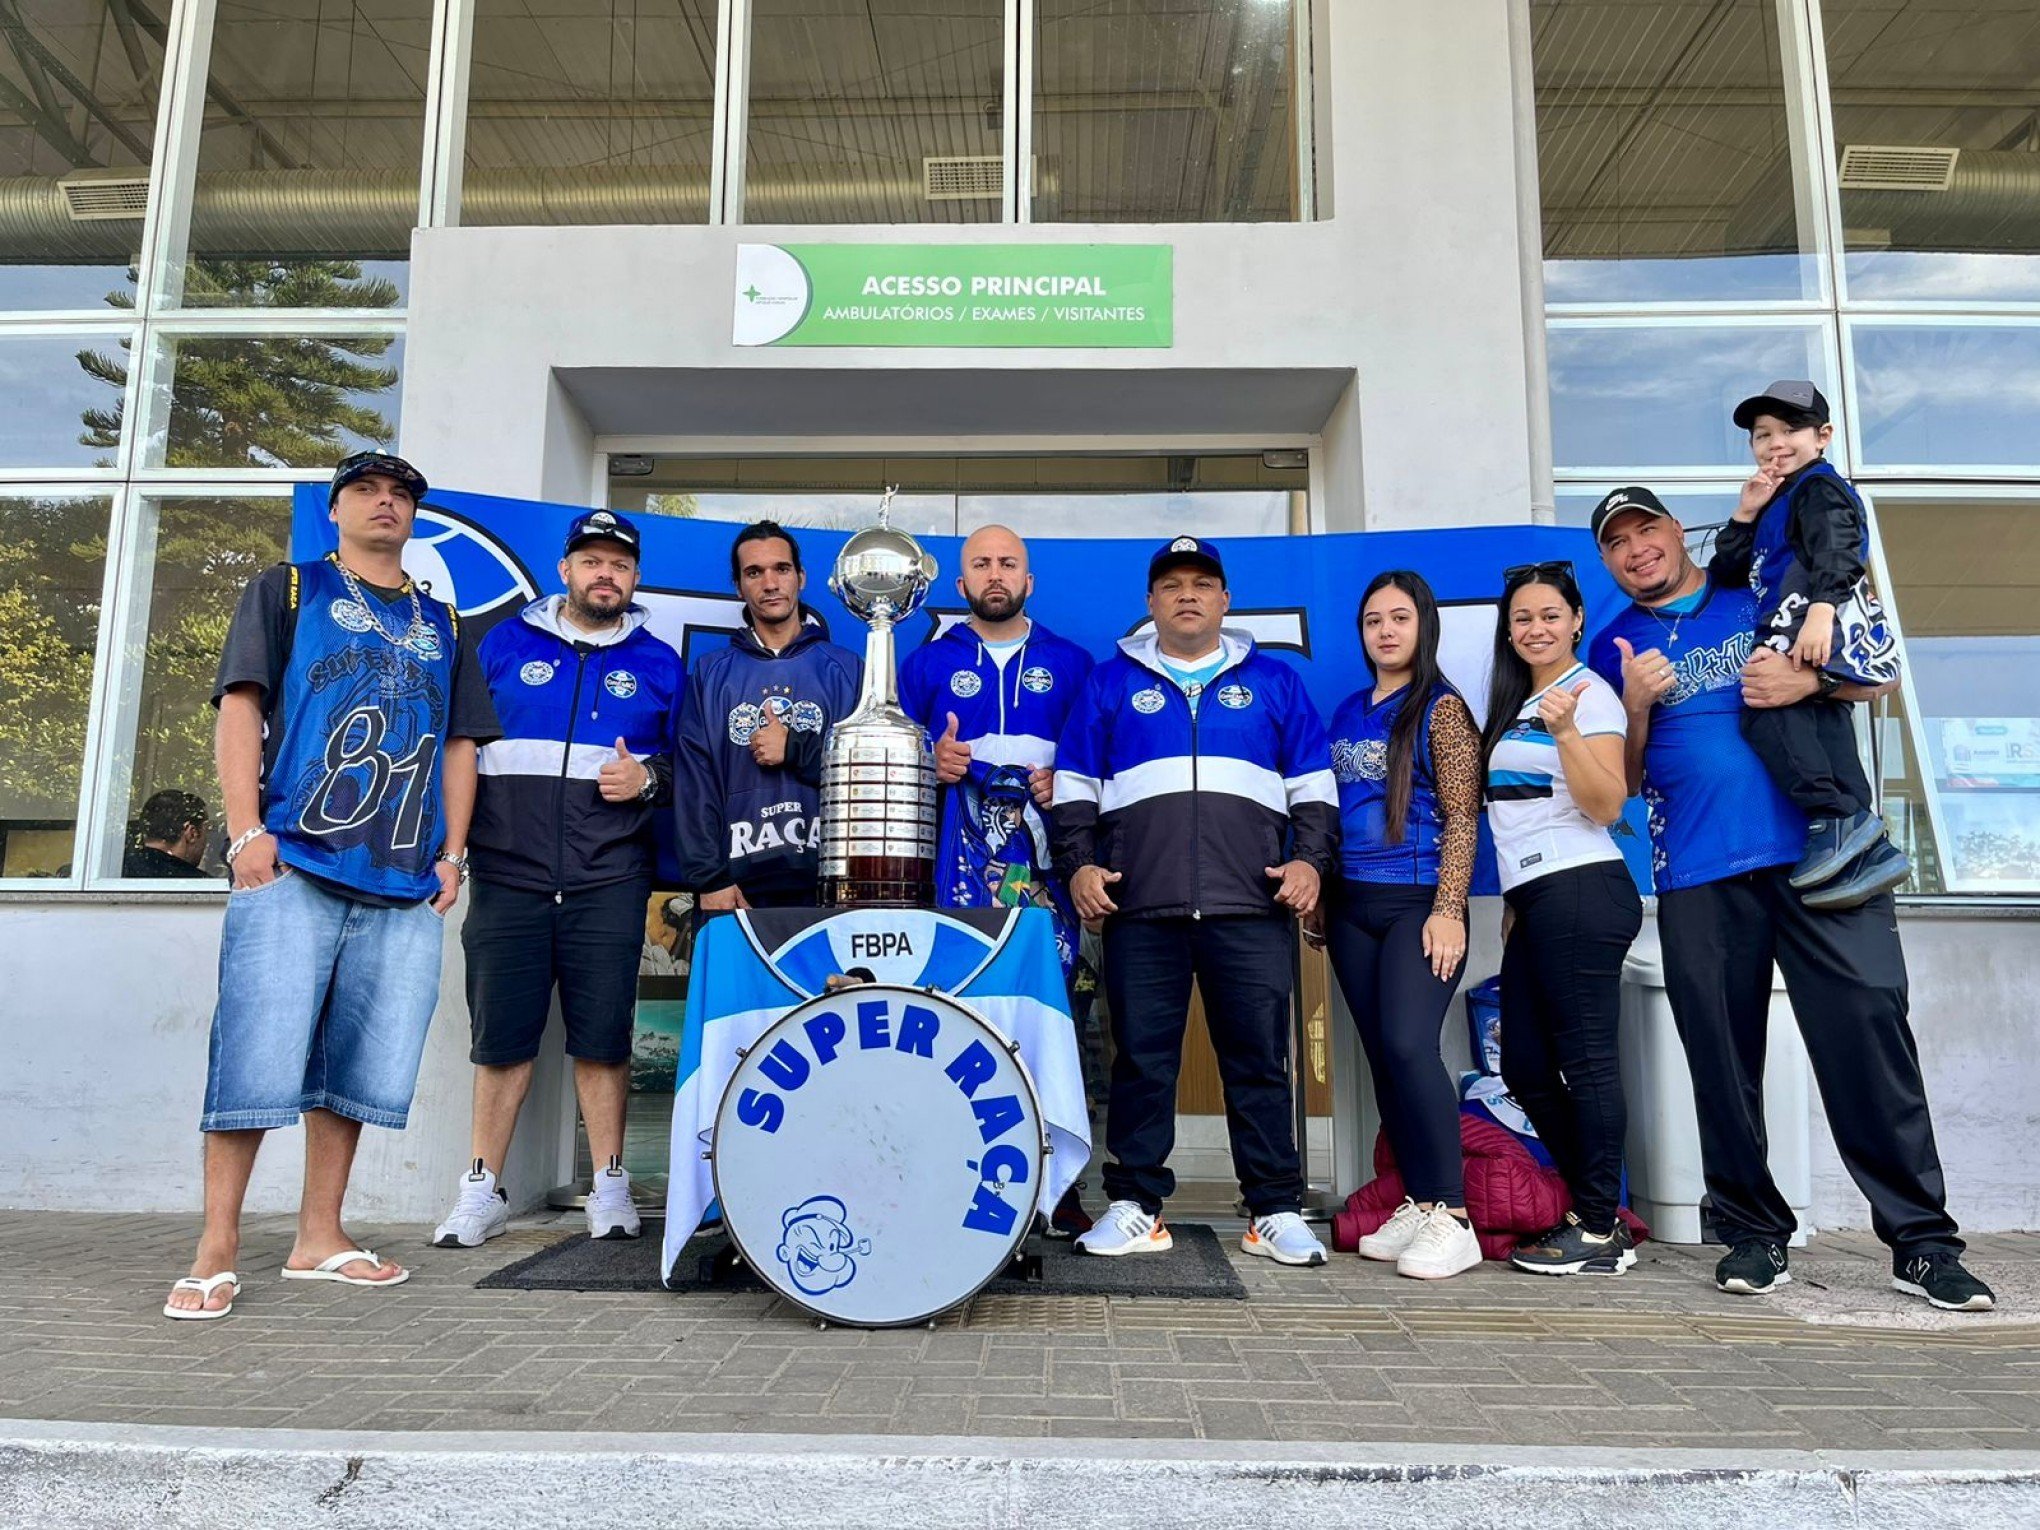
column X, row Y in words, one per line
column 1347, row 1352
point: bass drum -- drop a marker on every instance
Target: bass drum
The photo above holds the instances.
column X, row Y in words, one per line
column 878, row 1155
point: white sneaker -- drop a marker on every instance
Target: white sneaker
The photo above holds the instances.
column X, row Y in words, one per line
column 611, row 1212
column 1283, row 1237
column 1126, row 1229
column 1443, row 1247
column 1388, row 1241
column 481, row 1213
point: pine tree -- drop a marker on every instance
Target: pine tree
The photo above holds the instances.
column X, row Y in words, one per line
column 241, row 401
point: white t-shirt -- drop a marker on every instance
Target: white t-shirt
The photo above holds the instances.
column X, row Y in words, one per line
column 1538, row 828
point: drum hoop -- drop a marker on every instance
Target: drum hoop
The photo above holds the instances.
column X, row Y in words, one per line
column 1026, row 1220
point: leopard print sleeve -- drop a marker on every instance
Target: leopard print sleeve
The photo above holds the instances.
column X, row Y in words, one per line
column 1456, row 767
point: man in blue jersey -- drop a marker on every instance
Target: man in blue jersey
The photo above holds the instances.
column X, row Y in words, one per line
column 563, row 850
column 350, row 709
column 993, row 693
column 748, row 777
column 1196, row 815
column 1724, row 838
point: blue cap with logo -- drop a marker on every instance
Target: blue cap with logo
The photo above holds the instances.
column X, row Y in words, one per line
column 602, row 526
column 1186, row 550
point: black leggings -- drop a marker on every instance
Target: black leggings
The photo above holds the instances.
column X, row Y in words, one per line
column 1561, row 1002
column 1375, row 934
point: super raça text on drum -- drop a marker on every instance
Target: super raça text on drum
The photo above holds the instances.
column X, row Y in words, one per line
column 916, row 1030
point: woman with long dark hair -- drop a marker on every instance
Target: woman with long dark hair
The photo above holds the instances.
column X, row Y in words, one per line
column 1556, row 781
column 1407, row 759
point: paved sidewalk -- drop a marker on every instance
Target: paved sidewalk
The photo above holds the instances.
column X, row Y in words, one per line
column 1345, row 1354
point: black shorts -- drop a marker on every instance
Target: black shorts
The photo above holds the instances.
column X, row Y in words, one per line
column 521, row 943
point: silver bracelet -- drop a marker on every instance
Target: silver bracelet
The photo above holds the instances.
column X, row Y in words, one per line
column 242, row 841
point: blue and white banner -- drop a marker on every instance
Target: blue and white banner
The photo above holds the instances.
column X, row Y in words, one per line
column 751, row 968
column 1297, row 596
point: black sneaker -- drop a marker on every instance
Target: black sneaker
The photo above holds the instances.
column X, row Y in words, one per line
column 1753, row 1267
column 1569, row 1249
column 1831, row 843
column 1069, row 1219
column 1877, row 870
column 1941, row 1279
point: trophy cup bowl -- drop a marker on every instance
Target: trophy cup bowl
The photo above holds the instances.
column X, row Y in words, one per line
column 878, row 779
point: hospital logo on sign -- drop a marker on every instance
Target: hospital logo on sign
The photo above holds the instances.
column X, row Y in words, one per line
column 965, row 682
column 1147, row 702
column 620, row 683
column 1037, row 679
column 537, row 672
column 1235, row 696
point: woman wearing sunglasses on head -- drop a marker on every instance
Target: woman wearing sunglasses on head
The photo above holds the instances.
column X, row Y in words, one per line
column 1555, row 783
column 1407, row 759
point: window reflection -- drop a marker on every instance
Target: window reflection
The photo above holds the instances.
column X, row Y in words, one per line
column 239, row 401
column 78, row 91
column 51, row 571
column 1650, row 396
column 1664, row 159
column 1938, row 146
column 63, row 400
column 1966, row 587
column 1950, row 395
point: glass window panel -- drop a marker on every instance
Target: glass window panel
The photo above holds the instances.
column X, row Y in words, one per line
column 1262, row 513
column 52, row 562
column 1651, row 396
column 63, row 396
column 310, row 153
column 1663, row 157
column 875, row 111
column 1966, row 587
column 1697, row 510
column 1165, row 111
column 1954, row 89
column 1953, row 396
column 268, row 401
column 78, row 88
column 206, row 551
column 583, row 113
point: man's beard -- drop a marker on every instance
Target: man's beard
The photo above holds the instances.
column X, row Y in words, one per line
column 580, row 609
column 1006, row 608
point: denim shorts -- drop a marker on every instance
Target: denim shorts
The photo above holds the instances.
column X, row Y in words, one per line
column 324, row 1005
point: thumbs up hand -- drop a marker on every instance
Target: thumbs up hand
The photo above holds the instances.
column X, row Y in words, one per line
column 1646, row 677
column 624, row 778
column 951, row 758
column 768, row 741
column 1557, row 708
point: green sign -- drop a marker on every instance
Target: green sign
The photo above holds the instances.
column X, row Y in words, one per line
column 955, row 294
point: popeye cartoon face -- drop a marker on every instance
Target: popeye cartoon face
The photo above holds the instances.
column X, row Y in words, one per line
column 817, row 1244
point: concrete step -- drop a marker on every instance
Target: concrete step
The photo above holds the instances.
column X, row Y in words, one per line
column 84, row 1476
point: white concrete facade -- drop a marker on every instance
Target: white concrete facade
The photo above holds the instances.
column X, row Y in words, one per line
column 1388, row 337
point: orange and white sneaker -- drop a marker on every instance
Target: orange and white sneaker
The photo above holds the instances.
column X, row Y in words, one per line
column 1126, row 1229
column 1284, row 1237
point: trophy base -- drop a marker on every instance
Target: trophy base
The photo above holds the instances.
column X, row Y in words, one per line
column 882, row 881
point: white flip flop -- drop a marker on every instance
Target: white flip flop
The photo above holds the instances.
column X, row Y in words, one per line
column 330, row 1269
column 205, row 1289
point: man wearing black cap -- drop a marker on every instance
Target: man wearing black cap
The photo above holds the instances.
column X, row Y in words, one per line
column 1801, row 539
column 1724, row 837
column 350, row 710
column 1195, row 814
column 563, row 853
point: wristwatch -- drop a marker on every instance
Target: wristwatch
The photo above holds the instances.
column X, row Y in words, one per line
column 458, row 862
column 1828, row 681
column 651, row 787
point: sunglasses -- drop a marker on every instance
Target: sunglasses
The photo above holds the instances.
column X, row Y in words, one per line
column 1529, row 573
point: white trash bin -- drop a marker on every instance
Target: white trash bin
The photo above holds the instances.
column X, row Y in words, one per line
column 1665, row 1181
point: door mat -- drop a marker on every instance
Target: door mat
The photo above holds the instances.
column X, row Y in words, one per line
column 1196, row 1269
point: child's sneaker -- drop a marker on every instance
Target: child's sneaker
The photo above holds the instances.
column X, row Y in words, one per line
column 1831, row 843
column 1879, row 869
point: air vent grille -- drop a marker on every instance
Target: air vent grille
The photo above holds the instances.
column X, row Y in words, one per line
column 97, row 198
column 1870, row 167
column 964, row 178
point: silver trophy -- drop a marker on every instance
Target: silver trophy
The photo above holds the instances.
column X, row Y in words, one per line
column 878, row 781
